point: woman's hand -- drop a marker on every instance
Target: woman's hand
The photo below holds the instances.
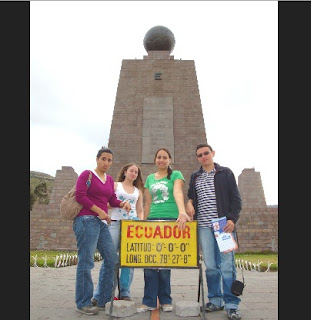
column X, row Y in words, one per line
column 126, row 206
column 182, row 219
column 103, row 215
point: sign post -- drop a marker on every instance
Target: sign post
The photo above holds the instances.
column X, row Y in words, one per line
column 159, row 244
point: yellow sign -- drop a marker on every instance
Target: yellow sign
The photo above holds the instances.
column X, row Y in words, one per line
column 158, row 244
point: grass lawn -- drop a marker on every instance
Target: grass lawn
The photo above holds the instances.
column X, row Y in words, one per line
column 256, row 257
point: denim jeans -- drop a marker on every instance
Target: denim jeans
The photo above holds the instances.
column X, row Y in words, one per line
column 91, row 233
column 220, row 271
column 157, row 285
column 126, row 274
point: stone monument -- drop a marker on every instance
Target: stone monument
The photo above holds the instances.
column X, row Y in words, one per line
column 157, row 105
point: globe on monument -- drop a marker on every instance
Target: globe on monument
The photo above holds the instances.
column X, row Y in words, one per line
column 159, row 38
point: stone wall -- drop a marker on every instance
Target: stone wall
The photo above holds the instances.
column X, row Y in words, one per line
column 258, row 229
column 258, row 224
column 47, row 229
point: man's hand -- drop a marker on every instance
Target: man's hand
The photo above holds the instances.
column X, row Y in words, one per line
column 190, row 210
column 229, row 227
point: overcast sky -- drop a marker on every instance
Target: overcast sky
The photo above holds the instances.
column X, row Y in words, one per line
column 76, row 52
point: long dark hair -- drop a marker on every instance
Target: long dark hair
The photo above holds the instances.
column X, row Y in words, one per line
column 169, row 169
column 138, row 182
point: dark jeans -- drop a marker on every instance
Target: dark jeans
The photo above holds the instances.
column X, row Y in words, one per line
column 157, row 285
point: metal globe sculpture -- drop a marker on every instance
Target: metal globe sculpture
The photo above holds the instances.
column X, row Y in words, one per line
column 159, row 38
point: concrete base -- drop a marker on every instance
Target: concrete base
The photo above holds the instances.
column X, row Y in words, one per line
column 121, row 308
column 187, row 308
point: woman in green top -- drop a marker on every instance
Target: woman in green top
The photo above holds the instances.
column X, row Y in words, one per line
column 164, row 200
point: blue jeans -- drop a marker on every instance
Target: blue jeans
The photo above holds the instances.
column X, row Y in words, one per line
column 126, row 275
column 91, row 233
column 220, row 271
column 157, row 285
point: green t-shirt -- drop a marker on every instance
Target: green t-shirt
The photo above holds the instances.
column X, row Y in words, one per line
column 163, row 204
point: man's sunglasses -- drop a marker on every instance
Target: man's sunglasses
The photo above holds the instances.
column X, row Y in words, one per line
column 200, row 155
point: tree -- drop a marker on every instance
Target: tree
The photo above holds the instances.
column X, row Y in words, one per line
column 32, row 200
column 41, row 193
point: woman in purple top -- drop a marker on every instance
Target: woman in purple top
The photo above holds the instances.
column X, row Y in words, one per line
column 91, row 230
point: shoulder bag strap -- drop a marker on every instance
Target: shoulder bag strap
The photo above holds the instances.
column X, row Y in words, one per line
column 88, row 182
column 237, row 239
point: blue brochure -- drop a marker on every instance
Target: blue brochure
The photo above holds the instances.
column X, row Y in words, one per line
column 224, row 240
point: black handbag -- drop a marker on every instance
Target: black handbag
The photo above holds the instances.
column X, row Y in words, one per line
column 238, row 286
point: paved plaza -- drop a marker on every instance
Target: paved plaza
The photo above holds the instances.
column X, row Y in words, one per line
column 52, row 294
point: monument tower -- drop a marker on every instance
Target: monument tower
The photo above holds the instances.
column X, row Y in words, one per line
column 157, row 105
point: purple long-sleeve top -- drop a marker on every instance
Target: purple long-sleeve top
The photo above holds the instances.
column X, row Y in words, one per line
column 98, row 193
